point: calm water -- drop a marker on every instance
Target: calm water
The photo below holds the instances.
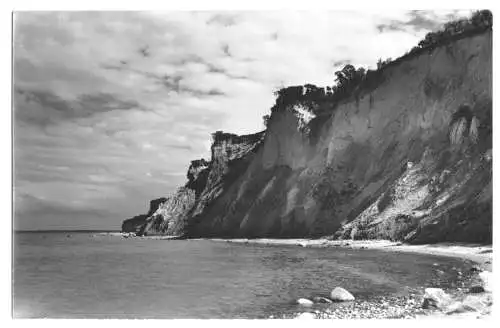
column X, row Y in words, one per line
column 82, row 275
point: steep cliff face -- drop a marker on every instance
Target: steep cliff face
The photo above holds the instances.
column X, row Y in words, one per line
column 409, row 160
column 206, row 181
column 135, row 224
column 170, row 216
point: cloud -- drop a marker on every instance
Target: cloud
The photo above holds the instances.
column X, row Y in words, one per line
column 420, row 20
column 341, row 63
column 43, row 107
column 111, row 107
column 222, row 19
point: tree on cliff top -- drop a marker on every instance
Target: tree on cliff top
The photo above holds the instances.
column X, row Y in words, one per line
column 348, row 79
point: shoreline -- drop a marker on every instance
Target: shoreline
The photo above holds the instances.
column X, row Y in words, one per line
column 480, row 254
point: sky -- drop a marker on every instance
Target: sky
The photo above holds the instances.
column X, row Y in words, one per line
column 111, row 107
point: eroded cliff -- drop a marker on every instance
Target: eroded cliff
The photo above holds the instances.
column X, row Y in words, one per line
column 408, row 159
column 207, row 180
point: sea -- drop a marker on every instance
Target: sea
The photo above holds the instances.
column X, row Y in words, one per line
column 102, row 275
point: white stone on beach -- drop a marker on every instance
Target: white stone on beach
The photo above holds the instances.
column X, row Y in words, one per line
column 487, row 281
column 457, row 307
column 339, row 294
column 305, row 302
column 476, row 302
column 306, row 315
column 436, row 297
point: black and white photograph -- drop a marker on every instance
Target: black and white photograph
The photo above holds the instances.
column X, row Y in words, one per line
column 252, row 164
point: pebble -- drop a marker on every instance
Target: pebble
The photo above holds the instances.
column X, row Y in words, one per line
column 339, row 294
column 305, row 302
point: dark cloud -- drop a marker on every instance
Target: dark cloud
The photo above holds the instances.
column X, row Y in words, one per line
column 418, row 20
column 225, row 49
column 186, row 60
column 144, row 51
column 30, row 74
column 183, row 147
column 215, row 92
column 394, row 26
column 172, row 83
column 214, row 69
column 423, row 20
column 43, row 107
column 103, row 102
column 222, row 19
column 341, row 63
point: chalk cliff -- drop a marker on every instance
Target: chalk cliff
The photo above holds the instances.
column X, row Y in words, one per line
column 406, row 159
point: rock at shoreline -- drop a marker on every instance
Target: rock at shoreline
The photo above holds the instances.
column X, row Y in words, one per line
column 305, row 302
column 436, row 298
column 476, row 289
column 319, row 299
column 479, row 303
column 306, row 315
column 128, row 234
column 339, row 294
column 487, row 281
column 458, row 307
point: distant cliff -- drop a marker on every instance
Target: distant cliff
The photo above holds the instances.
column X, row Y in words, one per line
column 135, row 224
column 207, row 180
column 407, row 159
